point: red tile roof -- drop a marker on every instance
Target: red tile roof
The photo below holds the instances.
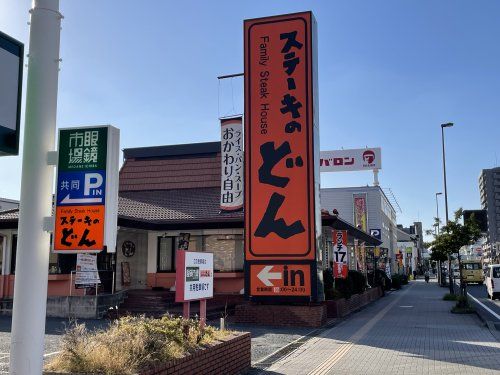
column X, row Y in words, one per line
column 171, row 167
column 181, row 206
column 166, row 174
column 162, row 208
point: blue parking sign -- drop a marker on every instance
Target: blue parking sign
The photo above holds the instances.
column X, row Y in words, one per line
column 81, row 188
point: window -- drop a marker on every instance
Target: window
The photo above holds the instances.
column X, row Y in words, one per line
column 13, row 255
column 227, row 250
column 471, row 266
column 195, row 243
column 166, row 253
column 496, row 272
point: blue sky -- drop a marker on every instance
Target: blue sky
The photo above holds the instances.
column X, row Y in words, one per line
column 390, row 72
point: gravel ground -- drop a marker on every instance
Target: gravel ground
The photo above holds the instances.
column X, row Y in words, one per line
column 53, row 330
column 267, row 340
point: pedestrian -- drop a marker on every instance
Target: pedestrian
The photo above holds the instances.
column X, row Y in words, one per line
column 414, row 275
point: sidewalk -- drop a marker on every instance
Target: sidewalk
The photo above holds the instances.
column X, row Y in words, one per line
column 408, row 332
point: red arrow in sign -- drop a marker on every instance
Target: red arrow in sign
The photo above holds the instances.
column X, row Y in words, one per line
column 265, row 275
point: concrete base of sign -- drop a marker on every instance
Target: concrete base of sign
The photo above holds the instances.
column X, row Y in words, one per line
column 81, row 307
column 281, row 315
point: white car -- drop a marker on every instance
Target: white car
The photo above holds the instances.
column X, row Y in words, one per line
column 493, row 281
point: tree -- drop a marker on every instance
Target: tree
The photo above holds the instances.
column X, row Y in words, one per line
column 451, row 238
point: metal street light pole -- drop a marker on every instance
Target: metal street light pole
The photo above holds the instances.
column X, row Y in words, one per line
column 437, row 212
column 437, row 232
column 447, row 125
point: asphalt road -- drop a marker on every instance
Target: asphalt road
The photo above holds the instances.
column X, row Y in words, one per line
column 479, row 293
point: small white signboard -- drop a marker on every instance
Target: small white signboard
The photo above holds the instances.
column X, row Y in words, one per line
column 86, row 270
column 195, row 276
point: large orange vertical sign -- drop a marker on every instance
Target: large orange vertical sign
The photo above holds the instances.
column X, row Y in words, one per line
column 279, row 142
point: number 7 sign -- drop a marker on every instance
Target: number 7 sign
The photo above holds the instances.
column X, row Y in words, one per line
column 340, row 254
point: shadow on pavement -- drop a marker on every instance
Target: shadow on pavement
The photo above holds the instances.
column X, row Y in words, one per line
column 420, row 325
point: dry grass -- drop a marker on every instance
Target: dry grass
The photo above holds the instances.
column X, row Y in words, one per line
column 129, row 344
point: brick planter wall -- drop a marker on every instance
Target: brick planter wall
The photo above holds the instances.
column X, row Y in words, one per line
column 228, row 357
column 342, row 307
column 281, row 315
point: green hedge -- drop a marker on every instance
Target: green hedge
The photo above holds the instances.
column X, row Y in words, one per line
column 355, row 283
column 397, row 281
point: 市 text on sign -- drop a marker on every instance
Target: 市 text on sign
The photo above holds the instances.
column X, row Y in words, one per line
column 280, row 279
column 279, row 138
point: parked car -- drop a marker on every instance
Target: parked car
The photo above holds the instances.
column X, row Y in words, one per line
column 472, row 272
column 493, row 281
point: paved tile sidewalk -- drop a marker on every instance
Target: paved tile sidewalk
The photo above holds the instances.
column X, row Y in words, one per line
column 408, row 332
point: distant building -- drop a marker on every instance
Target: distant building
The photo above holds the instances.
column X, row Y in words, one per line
column 407, row 250
column 417, row 233
column 8, row 204
column 379, row 214
column 489, row 189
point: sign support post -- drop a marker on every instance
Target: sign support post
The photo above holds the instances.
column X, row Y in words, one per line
column 186, row 309
column 30, row 291
column 203, row 313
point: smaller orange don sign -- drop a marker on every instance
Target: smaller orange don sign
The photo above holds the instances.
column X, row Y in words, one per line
column 280, row 280
column 79, row 228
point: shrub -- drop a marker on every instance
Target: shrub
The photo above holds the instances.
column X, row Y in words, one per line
column 382, row 280
column 404, row 279
column 358, row 281
column 328, row 279
column 129, row 344
column 333, row 294
column 462, row 306
column 344, row 287
column 450, row 297
column 396, row 281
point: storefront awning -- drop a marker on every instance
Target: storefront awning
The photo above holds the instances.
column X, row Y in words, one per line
column 336, row 222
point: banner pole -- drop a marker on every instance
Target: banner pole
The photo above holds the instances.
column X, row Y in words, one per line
column 32, row 264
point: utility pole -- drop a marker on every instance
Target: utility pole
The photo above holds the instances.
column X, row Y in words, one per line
column 447, row 125
column 32, row 263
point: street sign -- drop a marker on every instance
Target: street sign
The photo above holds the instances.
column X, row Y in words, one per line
column 377, row 233
column 340, row 254
column 194, row 277
column 351, row 160
column 280, row 280
column 11, row 82
column 282, row 215
column 87, row 190
column 360, row 211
